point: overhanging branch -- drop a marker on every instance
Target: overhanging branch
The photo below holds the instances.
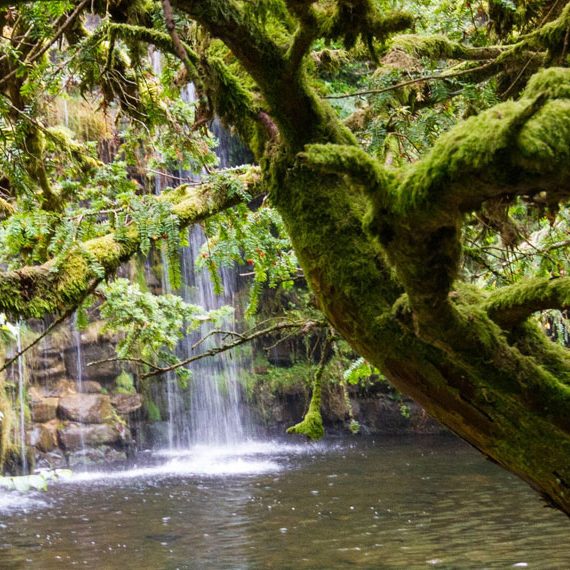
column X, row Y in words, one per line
column 301, row 326
column 511, row 305
column 63, row 282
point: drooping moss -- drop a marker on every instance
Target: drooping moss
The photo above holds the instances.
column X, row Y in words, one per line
column 312, row 424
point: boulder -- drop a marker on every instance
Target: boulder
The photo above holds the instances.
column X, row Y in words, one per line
column 86, row 408
column 73, row 437
column 61, row 388
column 126, row 404
column 43, row 409
column 44, row 436
column 90, row 387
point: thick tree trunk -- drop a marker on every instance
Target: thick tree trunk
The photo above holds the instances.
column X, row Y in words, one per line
column 484, row 388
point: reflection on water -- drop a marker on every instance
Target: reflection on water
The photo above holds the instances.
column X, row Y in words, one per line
column 390, row 503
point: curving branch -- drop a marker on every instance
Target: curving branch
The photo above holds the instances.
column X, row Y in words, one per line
column 515, row 148
column 354, row 163
column 63, row 282
column 300, row 326
column 440, row 47
column 511, row 305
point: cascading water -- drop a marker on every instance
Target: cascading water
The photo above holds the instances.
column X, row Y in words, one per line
column 216, row 413
column 76, row 334
column 21, row 399
column 210, row 411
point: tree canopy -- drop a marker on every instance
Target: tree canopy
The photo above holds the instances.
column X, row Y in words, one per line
column 417, row 155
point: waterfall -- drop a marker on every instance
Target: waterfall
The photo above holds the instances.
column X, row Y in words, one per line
column 65, row 113
column 216, row 414
column 209, row 411
column 21, row 397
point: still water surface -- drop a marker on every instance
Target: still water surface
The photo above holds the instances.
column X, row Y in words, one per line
column 385, row 503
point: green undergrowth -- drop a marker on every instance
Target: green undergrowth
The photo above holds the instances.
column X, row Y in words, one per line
column 276, row 379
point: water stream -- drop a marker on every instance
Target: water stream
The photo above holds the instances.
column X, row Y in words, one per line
column 76, row 335
column 209, row 412
column 22, row 401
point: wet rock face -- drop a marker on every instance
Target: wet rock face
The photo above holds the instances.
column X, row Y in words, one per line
column 126, row 404
column 90, row 387
column 86, row 408
column 59, row 389
column 73, row 436
column 44, row 409
column 44, row 436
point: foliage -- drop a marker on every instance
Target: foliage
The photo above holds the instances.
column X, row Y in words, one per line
column 151, row 326
column 8, row 331
column 359, row 372
column 124, row 383
column 254, row 238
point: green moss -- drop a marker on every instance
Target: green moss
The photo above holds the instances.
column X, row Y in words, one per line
column 277, row 379
column 554, row 82
column 159, row 39
column 354, row 163
column 433, row 47
column 312, row 424
column 152, row 411
column 512, row 305
column 124, row 383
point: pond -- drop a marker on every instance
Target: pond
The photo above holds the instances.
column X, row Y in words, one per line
column 409, row 502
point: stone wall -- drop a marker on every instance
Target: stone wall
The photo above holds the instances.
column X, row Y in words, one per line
column 377, row 409
column 70, row 427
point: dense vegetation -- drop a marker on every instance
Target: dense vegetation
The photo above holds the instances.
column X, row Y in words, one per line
column 416, row 155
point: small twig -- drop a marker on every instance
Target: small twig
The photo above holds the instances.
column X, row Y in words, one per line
column 303, row 325
column 125, row 359
column 173, row 177
column 217, row 331
column 439, row 77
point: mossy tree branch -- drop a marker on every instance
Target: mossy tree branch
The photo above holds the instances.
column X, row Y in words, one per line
column 63, row 282
column 440, row 47
column 511, row 150
column 509, row 306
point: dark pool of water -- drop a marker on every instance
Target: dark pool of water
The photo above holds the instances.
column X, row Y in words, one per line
column 385, row 503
